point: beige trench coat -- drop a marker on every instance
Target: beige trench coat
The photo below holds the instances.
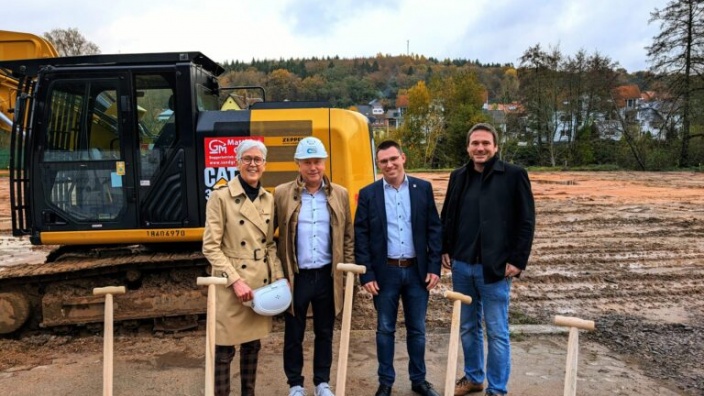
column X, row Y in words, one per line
column 288, row 205
column 238, row 242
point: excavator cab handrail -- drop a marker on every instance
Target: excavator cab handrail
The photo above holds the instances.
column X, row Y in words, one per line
column 19, row 170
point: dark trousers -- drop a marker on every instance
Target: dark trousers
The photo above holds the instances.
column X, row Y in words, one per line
column 249, row 355
column 311, row 287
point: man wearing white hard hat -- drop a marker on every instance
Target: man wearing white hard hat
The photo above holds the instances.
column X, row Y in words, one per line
column 315, row 232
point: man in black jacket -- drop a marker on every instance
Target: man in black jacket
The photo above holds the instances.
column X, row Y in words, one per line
column 488, row 223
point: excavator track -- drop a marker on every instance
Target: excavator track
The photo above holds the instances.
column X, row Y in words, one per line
column 58, row 293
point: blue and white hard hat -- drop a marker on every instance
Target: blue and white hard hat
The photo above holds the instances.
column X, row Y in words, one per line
column 310, row 147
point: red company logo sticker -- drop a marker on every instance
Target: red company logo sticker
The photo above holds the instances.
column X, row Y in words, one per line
column 220, row 151
column 217, row 147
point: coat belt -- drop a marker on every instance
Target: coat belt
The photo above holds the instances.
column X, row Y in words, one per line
column 254, row 254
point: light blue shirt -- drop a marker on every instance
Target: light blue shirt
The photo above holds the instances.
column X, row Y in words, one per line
column 314, row 244
column 398, row 221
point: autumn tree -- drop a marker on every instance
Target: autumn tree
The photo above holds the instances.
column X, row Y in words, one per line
column 677, row 55
column 70, row 42
column 282, row 85
column 541, row 93
column 423, row 126
column 410, row 133
column 461, row 97
column 509, row 86
column 314, row 88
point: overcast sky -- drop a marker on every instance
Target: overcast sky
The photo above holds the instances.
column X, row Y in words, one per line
column 487, row 30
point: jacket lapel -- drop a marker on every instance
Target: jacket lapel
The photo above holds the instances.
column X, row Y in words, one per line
column 415, row 197
column 292, row 207
column 248, row 210
column 251, row 213
column 381, row 205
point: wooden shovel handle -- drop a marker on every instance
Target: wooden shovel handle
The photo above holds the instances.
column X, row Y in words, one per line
column 451, row 295
column 354, row 268
column 568, row 321
column 210, row 280
column 101, row 291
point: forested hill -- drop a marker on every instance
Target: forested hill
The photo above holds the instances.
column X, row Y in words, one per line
column 348, row 82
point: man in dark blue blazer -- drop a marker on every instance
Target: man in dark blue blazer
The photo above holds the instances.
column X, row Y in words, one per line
column 398, row 238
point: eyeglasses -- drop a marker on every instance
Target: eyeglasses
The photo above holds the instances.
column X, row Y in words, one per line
column 252, row 160
column 390, row 159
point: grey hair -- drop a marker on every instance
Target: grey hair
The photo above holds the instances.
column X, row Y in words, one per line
column 248, row 144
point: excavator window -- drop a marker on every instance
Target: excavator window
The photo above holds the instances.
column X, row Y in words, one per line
column 156, row 106
column 206, row 99
column 80, row 149
column 82, row 119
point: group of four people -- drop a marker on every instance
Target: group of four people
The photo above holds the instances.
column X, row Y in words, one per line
column 484, row 237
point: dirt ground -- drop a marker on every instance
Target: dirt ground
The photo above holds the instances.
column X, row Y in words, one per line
column 624, row 249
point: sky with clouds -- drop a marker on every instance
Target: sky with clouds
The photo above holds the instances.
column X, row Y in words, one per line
column 492, row 31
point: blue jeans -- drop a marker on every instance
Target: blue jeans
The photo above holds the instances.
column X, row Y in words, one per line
column 490, row 301
column 404, row 284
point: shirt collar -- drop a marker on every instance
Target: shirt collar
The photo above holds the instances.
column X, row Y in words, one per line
column 488, row 166
column 302, row 186
column 404, row 183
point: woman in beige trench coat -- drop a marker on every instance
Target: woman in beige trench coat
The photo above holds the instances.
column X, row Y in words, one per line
column 238, row 243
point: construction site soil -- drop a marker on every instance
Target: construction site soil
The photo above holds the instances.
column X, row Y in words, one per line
column 625, row 249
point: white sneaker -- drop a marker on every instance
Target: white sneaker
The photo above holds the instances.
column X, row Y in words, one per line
column 323, row 389
column 297, row 391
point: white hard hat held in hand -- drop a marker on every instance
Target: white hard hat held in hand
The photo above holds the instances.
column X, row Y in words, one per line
column 310, row 147
column 272, row 299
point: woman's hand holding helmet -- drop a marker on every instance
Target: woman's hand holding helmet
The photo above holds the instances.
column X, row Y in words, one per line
column 242, row 290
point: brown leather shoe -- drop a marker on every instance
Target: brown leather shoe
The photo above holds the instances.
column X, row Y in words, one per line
column 464, row 386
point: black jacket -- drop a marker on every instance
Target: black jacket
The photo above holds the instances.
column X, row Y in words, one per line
column 506, row 216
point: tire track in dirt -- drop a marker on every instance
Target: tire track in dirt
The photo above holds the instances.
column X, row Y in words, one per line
column 629, row 258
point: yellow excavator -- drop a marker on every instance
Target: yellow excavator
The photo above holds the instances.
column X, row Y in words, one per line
column 16, row 45
column 113, row 158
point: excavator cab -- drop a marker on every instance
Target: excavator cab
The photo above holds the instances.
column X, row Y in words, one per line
column 125, row 149
column 100, row 156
